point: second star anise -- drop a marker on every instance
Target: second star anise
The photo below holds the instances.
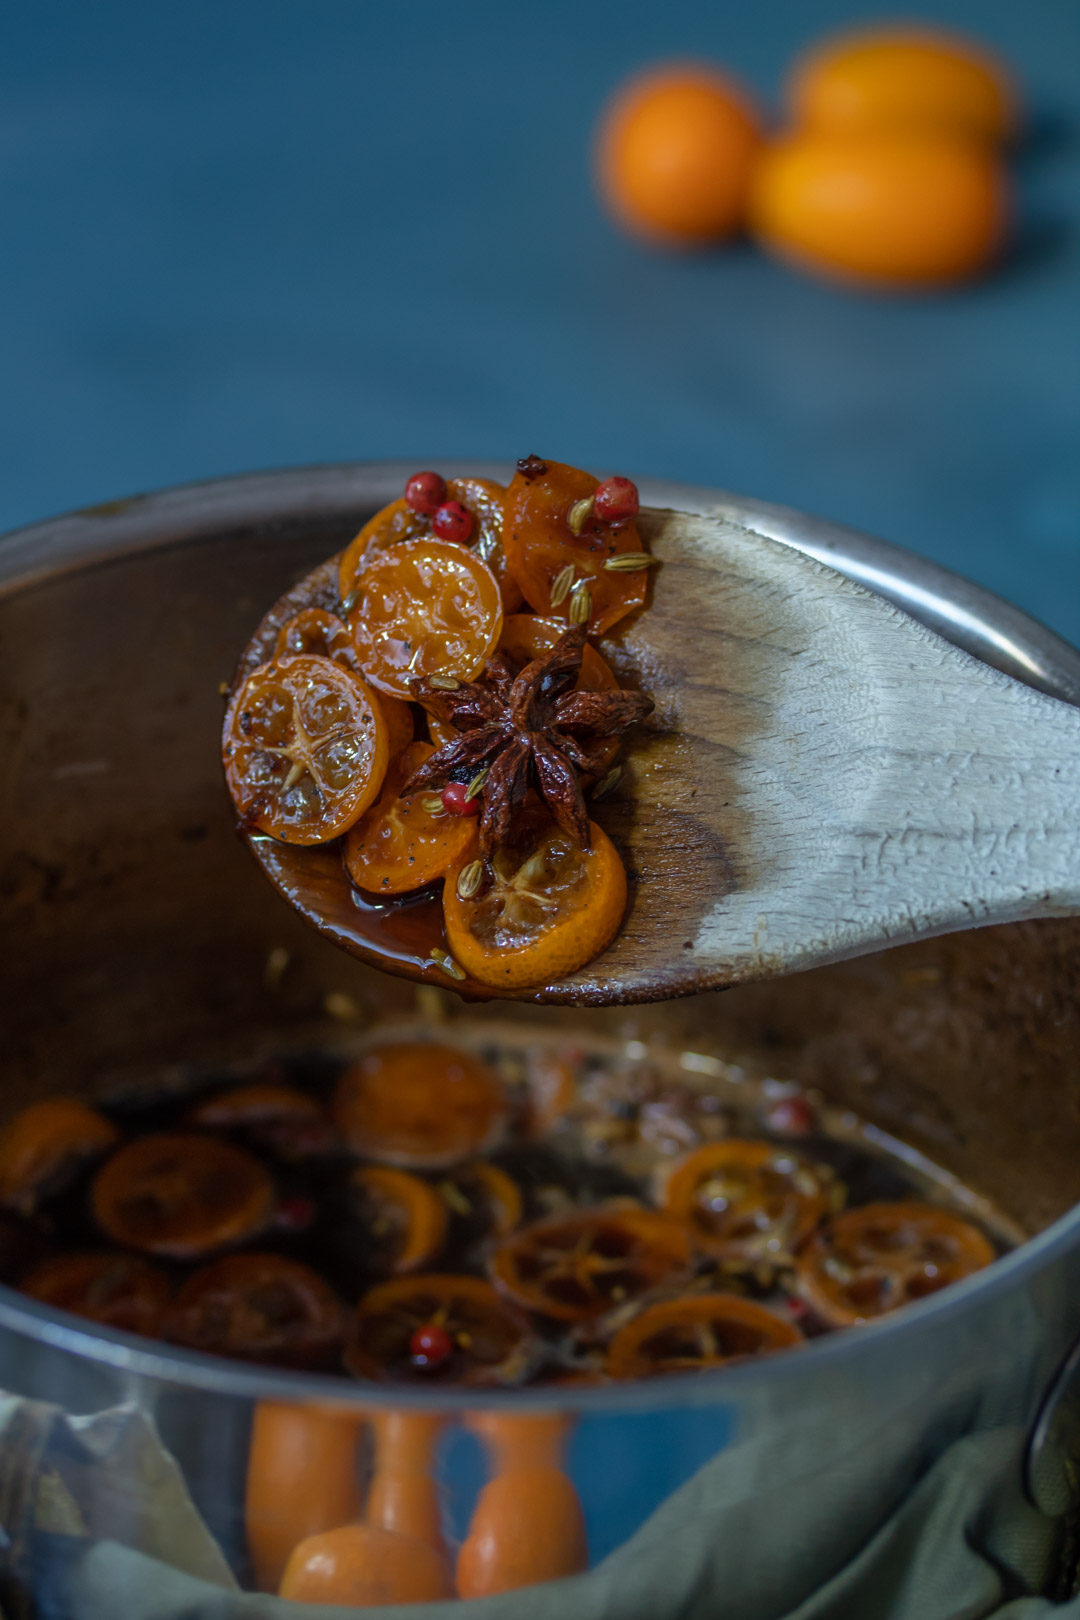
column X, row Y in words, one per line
column 531, row 730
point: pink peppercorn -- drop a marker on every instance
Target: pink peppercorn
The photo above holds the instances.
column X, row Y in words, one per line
column 456, row 802
column 425, row 493
column 453, row 521
column 616, row 501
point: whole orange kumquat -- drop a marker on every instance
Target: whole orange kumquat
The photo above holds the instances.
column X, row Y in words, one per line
column 903, row 211
column 879, row 79
column 674, row 151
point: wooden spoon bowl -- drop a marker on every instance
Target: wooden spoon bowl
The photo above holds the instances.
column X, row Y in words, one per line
column 822, row 777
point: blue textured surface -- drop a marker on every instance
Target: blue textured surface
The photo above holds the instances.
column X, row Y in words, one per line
column 240, row 235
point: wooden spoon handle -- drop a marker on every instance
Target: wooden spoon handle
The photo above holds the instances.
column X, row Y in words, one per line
column 826, row 776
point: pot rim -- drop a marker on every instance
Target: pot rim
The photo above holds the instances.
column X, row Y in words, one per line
column 959, row 610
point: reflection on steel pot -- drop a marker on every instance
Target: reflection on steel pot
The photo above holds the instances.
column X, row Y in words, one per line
column 139, row 940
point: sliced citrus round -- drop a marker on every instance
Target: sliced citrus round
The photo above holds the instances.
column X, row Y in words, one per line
column 483, row 1201
column 272, row 1115
column 118, row 1290
column 400, row 725
column 489, row 1338
column 578, row 1267
column 181, row 1196
column 46, row 1145
column 565, row 568
column 748, row 1201
column 405, row 1217
column 526, row 636
column 403, row 844
column 305, row 749
column 424, row 608
column 873, row 1259
column 544, row 906
column 419, row 1105
column 481, row 497
column 259, row 1307
column 316, row 633
column 696, row 1332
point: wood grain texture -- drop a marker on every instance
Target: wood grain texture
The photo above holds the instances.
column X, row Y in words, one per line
column 822, row 777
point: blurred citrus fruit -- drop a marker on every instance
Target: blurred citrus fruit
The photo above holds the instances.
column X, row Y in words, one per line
column 674, row 150
column 902, row 78
column 901, row 211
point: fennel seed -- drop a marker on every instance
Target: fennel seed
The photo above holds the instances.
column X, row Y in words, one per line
column 629, row 562
column 579, row 514
column 560, row 585
column 608, row 783
column 445, row 962
column 469, row 879
column 580, row 610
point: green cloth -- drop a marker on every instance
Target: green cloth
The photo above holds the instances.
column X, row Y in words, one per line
column 962, row 1544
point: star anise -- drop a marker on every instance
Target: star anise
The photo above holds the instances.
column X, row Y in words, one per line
column 529, row 730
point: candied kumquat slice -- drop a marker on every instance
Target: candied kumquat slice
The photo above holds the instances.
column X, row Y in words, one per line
column 526, row 636
column 556, row 567
column 317, row 633
column 577, row 1267
column 481, row 497
column 272, row 1115
column 695, row 1332
column 545, row 907
column 259, row 1307
column 364, row 1566
column 118, row 1290
column 400, row 725
column 181, row 1196
column 419, row 1105
column 489, row 1339
column 305, row 748
column 424, row 608
column 405, row 1216
column 871, row 1260
column 551, row 1089
column 402, row 844
column 484, row 1204
column 748, row 1201
column 46, row 1145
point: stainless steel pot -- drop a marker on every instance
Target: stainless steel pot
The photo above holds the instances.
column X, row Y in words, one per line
column 136, row 934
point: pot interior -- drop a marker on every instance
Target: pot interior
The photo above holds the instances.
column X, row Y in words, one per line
column 138, row 937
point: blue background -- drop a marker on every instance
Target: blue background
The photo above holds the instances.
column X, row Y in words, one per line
column 239, row 235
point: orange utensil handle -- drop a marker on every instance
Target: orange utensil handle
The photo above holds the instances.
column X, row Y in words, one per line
column 302, row 1478
column 527, row 1525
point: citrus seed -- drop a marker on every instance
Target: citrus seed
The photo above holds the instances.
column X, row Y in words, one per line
column 348, row 603
column 608, row 782
column 560, row 585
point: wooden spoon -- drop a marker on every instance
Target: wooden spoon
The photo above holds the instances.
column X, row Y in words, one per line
column 822, row 777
